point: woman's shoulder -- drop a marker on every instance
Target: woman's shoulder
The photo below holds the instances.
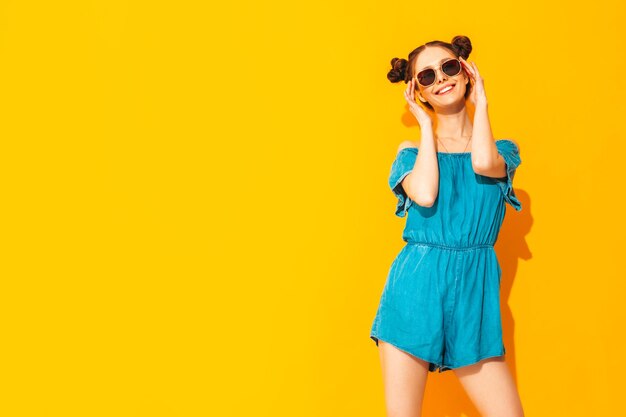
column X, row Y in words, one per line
column 407, row 144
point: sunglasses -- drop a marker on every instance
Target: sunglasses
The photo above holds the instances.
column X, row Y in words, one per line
column 427, row 77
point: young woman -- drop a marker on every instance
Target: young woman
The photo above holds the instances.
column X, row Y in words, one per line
column 440, row 306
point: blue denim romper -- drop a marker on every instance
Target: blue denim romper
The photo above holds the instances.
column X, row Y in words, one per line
column 441, row 299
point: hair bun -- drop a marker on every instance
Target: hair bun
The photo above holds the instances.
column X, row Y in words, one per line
column 397, row 72
column 462, row 45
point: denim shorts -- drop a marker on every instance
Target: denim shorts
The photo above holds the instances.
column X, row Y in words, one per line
column 441, row 303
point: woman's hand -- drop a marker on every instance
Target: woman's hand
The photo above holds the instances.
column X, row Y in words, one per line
column 477, row 96
column 416, row 109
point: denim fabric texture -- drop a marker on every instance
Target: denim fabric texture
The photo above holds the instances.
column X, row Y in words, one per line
column 441, row 299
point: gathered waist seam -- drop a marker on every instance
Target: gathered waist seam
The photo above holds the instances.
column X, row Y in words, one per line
column 449, row 247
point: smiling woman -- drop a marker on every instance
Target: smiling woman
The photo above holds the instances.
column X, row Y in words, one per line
column 450, row 66
column 439, row 309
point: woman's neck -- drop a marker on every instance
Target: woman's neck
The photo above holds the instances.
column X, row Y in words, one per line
column 453, row 127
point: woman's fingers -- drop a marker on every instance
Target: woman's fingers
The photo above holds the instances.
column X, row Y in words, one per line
column 469, row 69
column 476, row 70
column 409, row 93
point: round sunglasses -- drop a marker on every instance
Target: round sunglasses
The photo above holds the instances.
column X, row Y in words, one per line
column 427, row 77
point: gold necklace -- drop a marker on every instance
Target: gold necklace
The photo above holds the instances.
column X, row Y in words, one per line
column 450, row 137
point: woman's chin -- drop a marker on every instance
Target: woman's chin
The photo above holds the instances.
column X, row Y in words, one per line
column 450, row 103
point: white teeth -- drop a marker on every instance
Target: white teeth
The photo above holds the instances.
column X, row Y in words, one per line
column 445, row 89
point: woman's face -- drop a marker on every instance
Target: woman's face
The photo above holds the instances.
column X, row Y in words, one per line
column 433, row 57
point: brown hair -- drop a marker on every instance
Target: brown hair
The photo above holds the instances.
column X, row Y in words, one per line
column 402, row 69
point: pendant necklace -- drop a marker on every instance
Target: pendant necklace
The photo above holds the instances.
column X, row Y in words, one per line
column 450, row 137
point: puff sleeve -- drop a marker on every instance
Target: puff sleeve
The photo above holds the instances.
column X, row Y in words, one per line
column 510, row 152
column 401, row 167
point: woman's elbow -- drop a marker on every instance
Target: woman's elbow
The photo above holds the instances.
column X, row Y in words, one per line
column 423, row 201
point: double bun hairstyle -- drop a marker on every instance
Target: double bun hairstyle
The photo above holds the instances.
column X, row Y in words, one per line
column 403, row 69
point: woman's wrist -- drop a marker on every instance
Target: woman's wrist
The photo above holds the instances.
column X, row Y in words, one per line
column 426, row 125
column 481, row 102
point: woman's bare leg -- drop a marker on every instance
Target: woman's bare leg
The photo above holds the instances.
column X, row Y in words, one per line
column 404, row 377
column 491, row 387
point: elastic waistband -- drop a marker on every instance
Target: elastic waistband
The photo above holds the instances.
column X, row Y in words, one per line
column 449, row 247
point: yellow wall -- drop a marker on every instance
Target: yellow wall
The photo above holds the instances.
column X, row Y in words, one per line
column 196, row 218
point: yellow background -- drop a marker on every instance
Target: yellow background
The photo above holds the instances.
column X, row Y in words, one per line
column 196, row 219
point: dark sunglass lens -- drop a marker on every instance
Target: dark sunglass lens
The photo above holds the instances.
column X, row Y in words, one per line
column 426, row 77
column 452, row 67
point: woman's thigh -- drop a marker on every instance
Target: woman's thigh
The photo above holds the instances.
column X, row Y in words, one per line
column 491, row 387
column 404, row 378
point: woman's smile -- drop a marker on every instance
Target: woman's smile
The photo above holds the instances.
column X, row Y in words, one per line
column 446, row 90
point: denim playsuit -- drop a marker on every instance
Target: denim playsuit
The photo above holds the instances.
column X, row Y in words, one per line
column 441, row 299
